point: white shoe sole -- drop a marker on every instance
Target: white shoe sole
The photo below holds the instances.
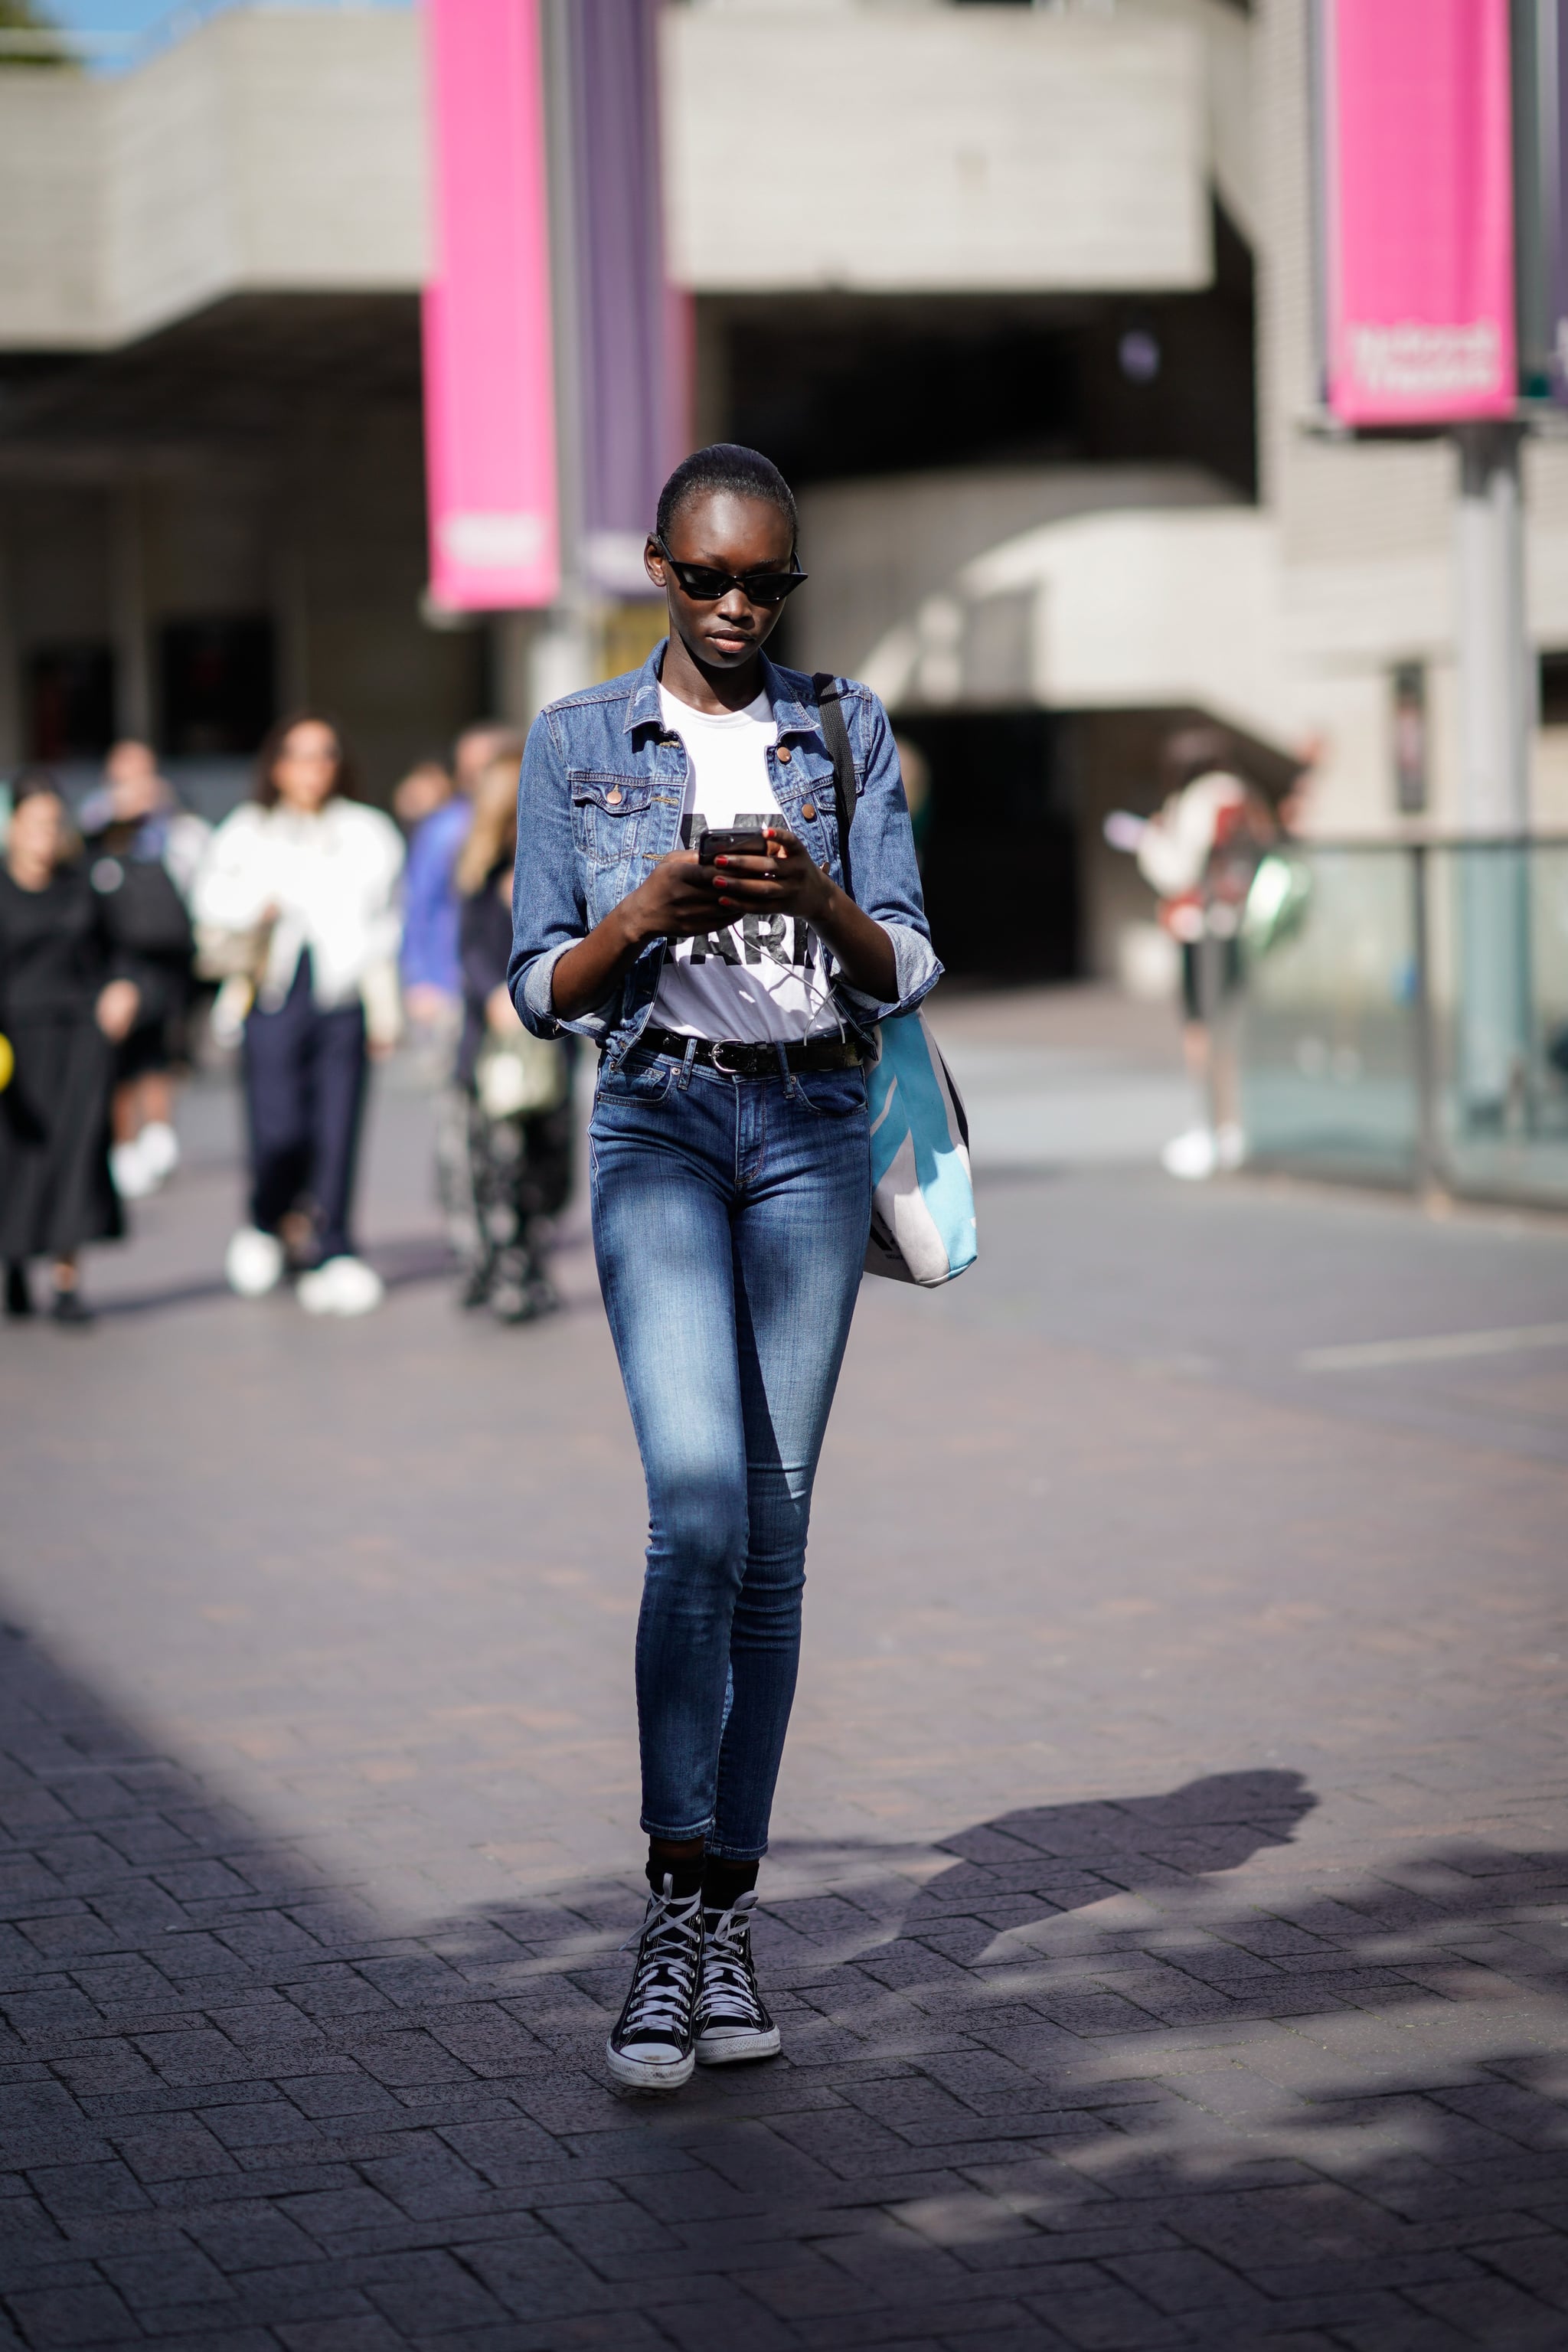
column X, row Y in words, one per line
column 649, row 2073
column 730, row 2049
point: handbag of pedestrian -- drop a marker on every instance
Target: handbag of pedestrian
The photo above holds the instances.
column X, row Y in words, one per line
column 922, row 1192
column 520, row 1076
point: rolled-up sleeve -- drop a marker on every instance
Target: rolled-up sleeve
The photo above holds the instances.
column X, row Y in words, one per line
column 549, row 913
column 884, row 868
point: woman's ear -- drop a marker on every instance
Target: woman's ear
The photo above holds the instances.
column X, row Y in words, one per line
column 653, row 563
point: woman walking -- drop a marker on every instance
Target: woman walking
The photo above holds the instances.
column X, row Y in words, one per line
column 301, row 884
column 733, row 1002
column 507, row 1164
column 68, row 994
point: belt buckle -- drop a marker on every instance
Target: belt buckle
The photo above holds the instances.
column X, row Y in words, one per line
column 717, row 1047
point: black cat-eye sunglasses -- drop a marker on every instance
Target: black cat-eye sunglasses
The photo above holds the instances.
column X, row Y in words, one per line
column 706, row 583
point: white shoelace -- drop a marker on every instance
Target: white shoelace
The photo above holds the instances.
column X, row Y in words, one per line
column 729, row 1995
column 669, row 1948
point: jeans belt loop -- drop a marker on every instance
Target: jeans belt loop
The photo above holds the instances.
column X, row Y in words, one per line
column 785, row 1073
column 684, row 1081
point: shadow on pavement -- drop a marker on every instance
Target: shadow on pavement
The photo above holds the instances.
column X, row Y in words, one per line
column 1101, row 2076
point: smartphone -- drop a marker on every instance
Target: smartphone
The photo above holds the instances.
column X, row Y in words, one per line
column 745, row 838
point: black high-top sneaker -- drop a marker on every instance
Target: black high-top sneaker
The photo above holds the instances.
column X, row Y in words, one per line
column 731, row 2022
column 650, row 2048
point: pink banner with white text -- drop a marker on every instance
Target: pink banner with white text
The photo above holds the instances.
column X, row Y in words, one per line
column 1418, row 210
column 489, row 394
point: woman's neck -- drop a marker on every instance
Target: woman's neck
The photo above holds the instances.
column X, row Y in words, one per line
column 712, row 691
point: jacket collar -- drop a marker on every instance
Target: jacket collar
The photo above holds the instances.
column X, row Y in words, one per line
column 793, row 716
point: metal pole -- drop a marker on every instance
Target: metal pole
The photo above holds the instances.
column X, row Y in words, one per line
column 1428, row 1158
column 1495, row 712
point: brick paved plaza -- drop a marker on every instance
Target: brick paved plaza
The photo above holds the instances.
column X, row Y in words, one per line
column 1169, row 1908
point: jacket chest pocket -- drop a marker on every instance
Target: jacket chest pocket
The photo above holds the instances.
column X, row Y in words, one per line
column 609, row 814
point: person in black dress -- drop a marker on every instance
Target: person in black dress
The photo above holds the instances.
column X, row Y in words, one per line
column 68, row 994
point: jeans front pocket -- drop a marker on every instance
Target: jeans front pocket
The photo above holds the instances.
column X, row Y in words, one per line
column 641, row 1083
column 832, row 1094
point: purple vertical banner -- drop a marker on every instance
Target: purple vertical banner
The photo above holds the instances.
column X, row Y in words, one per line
column 632, row 327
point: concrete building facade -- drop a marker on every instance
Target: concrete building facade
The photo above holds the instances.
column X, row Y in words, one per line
column 1026, row 312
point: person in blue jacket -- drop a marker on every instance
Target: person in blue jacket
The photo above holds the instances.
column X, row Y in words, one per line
column 734, row 1002
column 431, row 965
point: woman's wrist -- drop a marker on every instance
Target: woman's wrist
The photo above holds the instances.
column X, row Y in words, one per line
column 632, row 929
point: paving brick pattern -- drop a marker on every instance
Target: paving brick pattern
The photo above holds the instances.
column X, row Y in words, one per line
column 1169, row 1919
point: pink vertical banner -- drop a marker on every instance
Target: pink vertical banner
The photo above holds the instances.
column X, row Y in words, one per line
column 489, row 391
column 1418, row 210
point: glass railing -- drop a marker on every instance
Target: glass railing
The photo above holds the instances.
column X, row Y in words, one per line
column 1407, row 1023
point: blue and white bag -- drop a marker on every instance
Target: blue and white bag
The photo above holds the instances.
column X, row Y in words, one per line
column 922, row 1194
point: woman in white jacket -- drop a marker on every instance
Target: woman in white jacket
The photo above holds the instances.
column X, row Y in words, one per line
column 310, row 879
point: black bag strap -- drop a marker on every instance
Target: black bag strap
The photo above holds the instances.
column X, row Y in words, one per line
column 835, row 735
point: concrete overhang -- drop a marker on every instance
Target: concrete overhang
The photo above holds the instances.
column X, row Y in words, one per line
column 936, row 150
column 272, row 152
column 279, row 151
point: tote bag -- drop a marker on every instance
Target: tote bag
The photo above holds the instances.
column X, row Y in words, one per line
column 922, row 1195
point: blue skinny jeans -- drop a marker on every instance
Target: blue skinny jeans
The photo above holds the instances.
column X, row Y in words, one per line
column 730, row 1224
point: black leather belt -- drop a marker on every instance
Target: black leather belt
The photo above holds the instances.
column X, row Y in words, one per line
column 746, row 1058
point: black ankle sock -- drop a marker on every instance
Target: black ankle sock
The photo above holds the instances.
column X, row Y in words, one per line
column 685, row 1877
column 724, row 1880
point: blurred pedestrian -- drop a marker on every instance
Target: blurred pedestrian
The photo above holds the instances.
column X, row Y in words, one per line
column 69, row 993
column 1198, row 853
column 145, row 850
column 512, row 1172
column 432, row 968
column 735, row 998
column 302, row 881
column 426, row 787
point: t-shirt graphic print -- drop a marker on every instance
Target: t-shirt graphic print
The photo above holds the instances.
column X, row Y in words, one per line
column 764, row 975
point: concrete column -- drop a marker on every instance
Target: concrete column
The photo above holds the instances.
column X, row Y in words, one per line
column 11, row 746
column 129, row 620
column 1496, row 714
column 563, row 650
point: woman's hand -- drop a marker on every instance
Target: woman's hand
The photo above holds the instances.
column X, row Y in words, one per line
column 682, row 896
column 501, row 1014
column 117, row 1008
column 678, row 899
column 785, row 881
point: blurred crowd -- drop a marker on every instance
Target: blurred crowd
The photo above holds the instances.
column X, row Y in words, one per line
column 310, row 934
column 306, row 936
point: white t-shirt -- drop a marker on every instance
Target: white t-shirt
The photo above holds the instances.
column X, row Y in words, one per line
column 764, row 975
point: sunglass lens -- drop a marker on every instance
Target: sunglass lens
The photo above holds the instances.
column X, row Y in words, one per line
column 770, row 587
column 699, row 581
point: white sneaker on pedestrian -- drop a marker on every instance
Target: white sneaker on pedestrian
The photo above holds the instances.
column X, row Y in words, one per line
column 1193, row 1155
column 131, row 1171
column 1230, row 1147
column 159, row 1147
column 253, row 1263
column 343, row 1286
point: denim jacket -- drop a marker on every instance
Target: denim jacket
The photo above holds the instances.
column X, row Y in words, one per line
column 600, row 799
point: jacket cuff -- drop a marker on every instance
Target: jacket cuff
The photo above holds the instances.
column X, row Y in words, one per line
column 535, row 1006
column 916, row 968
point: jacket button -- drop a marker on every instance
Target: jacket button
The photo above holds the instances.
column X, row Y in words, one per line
column 784, row 753
column 808, row 808
column 613, row 795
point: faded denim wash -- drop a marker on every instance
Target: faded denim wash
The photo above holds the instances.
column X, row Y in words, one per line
column 600, row 801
